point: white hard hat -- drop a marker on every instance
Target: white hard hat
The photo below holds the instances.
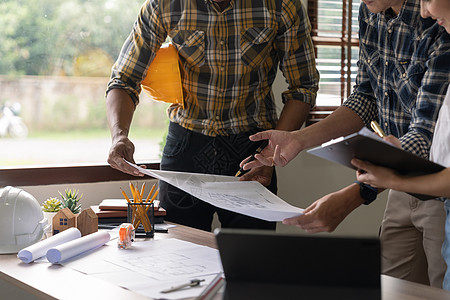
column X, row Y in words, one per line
column 22, row 222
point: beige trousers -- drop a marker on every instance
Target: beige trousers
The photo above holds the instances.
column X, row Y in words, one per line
column 412, row 233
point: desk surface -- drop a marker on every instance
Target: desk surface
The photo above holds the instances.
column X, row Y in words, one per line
column 59, row 282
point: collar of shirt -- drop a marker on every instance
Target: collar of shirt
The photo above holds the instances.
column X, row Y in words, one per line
column 223, row 4
column 409, row 14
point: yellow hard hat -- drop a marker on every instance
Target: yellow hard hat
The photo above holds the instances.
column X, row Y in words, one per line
column 163, row 79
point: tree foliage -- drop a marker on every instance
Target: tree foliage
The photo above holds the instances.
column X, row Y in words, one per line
column 48, row 37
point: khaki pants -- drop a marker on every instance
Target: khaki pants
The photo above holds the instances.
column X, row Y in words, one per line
column 412, row 233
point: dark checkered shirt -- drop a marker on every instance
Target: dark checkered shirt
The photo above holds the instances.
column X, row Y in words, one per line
column 404, row 71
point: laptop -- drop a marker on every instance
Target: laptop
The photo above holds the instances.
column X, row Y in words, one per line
column 267, row 265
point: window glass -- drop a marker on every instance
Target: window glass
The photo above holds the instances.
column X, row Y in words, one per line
column 330, row 32
column 329, row 64
column 55, row 62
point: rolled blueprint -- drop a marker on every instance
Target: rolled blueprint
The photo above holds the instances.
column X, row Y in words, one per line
column 39, row 249
column 70, row 249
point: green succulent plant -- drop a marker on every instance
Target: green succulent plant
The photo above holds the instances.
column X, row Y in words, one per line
column 70, row 200
column 52, row 204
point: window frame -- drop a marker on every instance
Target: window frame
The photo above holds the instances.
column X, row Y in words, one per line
column 345, row 41
column 64, row 174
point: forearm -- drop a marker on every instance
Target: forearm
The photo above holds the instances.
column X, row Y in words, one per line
column 352, row 197
column 119, row 111
column 436, row 184
column 343, row 121
column 293, row 115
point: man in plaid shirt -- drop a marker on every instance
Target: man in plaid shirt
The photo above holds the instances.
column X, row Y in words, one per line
column 401, row 82
column 229, row 54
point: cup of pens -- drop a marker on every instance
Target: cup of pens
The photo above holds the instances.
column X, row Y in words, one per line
column 140, row 212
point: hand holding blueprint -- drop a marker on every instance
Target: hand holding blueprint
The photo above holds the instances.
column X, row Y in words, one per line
column 250, row 198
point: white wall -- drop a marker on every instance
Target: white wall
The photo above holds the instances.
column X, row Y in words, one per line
column 93, row 193
column 308, row 178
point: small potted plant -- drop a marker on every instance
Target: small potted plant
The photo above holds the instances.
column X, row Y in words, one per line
column 50, row 207
column 70, row 200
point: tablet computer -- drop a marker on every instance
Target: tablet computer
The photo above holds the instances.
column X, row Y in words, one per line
column 269, row 265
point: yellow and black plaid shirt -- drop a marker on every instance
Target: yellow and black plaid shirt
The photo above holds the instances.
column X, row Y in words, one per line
column 229, row 59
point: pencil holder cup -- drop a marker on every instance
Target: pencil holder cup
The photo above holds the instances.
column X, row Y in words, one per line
column 141, row 215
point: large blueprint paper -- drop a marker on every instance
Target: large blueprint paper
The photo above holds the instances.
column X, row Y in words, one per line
column 245, row 197
column 151, row 266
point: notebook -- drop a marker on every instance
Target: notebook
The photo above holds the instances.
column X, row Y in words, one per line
column 269, row 265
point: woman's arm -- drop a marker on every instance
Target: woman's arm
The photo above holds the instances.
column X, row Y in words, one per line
column 436, row 184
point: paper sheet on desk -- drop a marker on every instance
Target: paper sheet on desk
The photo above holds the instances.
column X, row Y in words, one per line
column 245, row 197
column 151, row 266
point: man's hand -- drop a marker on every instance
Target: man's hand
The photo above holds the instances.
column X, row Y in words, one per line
column 122, row 148
column 393, row 140
column 282, row 148
column 325, row 214
column 262, row 174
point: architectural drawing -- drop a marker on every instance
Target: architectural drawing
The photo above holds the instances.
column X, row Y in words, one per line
column 228, row 192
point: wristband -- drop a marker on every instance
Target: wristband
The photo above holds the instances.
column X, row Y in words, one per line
column 367, row 192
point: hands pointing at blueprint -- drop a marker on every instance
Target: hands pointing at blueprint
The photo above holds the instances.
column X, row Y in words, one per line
column 282, row 148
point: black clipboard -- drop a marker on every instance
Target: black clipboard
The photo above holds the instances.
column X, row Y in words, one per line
column 365, row 145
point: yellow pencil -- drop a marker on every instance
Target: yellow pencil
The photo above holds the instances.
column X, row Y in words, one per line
column 136, row 212
column 133, row 210
column 138, row 194
column 154, row 196
column 153, row 199
column 151, row 192
column 125, row 195
column 142, row 191
column 133, row 192
column 141, row 213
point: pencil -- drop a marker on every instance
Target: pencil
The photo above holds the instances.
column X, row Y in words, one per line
column 142, row 191
column 154, row 196
column 141, row 214
column 153, row 199
column 132, row 191
column 151, row 192
column 125, row 195
column 133, row 210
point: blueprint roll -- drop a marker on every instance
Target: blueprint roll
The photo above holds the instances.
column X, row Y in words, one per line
column 39, row 249
column 75, row 247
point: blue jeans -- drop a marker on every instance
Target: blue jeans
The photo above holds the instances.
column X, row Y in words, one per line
column 446, row 246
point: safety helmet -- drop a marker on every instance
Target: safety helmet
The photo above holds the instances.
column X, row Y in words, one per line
column 163, row 79
column 22, row 222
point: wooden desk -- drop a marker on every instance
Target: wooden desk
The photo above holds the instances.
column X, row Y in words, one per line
column 57, row 282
